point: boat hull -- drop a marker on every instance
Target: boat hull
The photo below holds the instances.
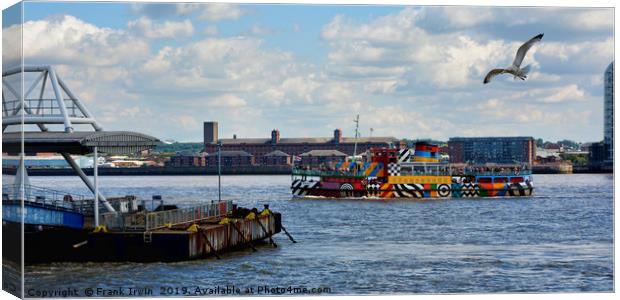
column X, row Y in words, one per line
column 454, row 187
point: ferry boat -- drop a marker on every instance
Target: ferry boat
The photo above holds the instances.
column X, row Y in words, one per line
column 410, row 173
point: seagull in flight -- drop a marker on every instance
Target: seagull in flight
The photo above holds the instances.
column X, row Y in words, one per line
column 515, row 68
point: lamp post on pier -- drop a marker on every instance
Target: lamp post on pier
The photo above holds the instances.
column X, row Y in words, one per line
column 96, row 184
column 219, row 170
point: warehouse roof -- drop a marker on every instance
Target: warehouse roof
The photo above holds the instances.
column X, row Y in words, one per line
column 78, row 142
column 315, row 140
column 323, row 153
column 277, row 153
column 231, row 153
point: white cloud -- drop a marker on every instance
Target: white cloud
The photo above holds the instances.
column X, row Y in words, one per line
column 593, row 20
column 463, row 16
column 161, row 10
column 213, row 12
column 258, row 29
column 581, row 54
column 227, row 101
column 386, row 29
column 581, row 19
column 211, row 30
column 69, row 40
column 544, row 77
column 160, row 63
column 187, row 8
column 185, row 121
column 168, row 29
column 220, row 11
column 564, row 94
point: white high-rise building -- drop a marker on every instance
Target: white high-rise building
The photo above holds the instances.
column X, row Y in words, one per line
column 609, row 112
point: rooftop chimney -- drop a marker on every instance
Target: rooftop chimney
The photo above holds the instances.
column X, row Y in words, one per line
column 275, row 136
column 337, row 136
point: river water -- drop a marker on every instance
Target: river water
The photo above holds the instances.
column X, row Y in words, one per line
column 560, row 240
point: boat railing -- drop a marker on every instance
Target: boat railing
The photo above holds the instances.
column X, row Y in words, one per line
column 335, row 173
column 146, row 220
column 41, row 196
column 410, row 172
column 499, row 173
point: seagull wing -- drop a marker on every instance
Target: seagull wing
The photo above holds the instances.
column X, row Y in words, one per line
column 523, row 49
column 492, row 74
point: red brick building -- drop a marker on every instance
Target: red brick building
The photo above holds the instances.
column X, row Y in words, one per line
column 230, row 158
column 276, row 158
column 259, row 147
column 182, row 160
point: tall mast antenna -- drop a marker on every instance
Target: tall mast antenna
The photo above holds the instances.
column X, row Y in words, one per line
column 357, row 127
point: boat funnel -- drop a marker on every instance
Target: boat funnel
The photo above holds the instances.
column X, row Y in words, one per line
column 425, row 152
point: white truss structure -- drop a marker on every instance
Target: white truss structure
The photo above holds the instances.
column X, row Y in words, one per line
column 63, row 107
column 54, row 103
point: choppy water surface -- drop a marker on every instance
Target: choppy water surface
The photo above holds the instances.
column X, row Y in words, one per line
column 561, row 239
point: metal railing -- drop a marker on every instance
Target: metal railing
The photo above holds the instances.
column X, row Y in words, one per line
column 41, row 107
column 162, row 219
column 348, row 173
column 408, row 172
column 43, row 196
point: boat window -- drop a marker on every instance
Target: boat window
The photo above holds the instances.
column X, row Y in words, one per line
column 484, row 180
column 501, row 179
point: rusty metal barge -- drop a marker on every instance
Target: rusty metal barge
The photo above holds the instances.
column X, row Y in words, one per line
column 61, row 230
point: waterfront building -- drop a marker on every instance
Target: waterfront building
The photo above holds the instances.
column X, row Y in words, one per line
column 609, row 113
column 520, row 149
column 327, row 158
column 259, row 147
column 597, row 154
column 48, row 161
column 187, row 160
column 546, row 156
column 232, row 158
column 276, row 158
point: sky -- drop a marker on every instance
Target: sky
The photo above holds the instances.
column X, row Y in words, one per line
column 408, row 71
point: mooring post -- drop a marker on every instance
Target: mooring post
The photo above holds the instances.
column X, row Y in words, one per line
column 289, row 235
column 286, row 232
column 234, row 225
column 204, row 234
column 265, row 230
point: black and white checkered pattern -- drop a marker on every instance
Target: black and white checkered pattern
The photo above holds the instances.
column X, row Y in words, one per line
column 393, row 169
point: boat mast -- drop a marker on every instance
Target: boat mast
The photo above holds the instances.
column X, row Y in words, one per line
column 357, row 127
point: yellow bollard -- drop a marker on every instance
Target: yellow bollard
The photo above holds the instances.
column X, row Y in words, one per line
column 100, row 228
column 193, row 228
